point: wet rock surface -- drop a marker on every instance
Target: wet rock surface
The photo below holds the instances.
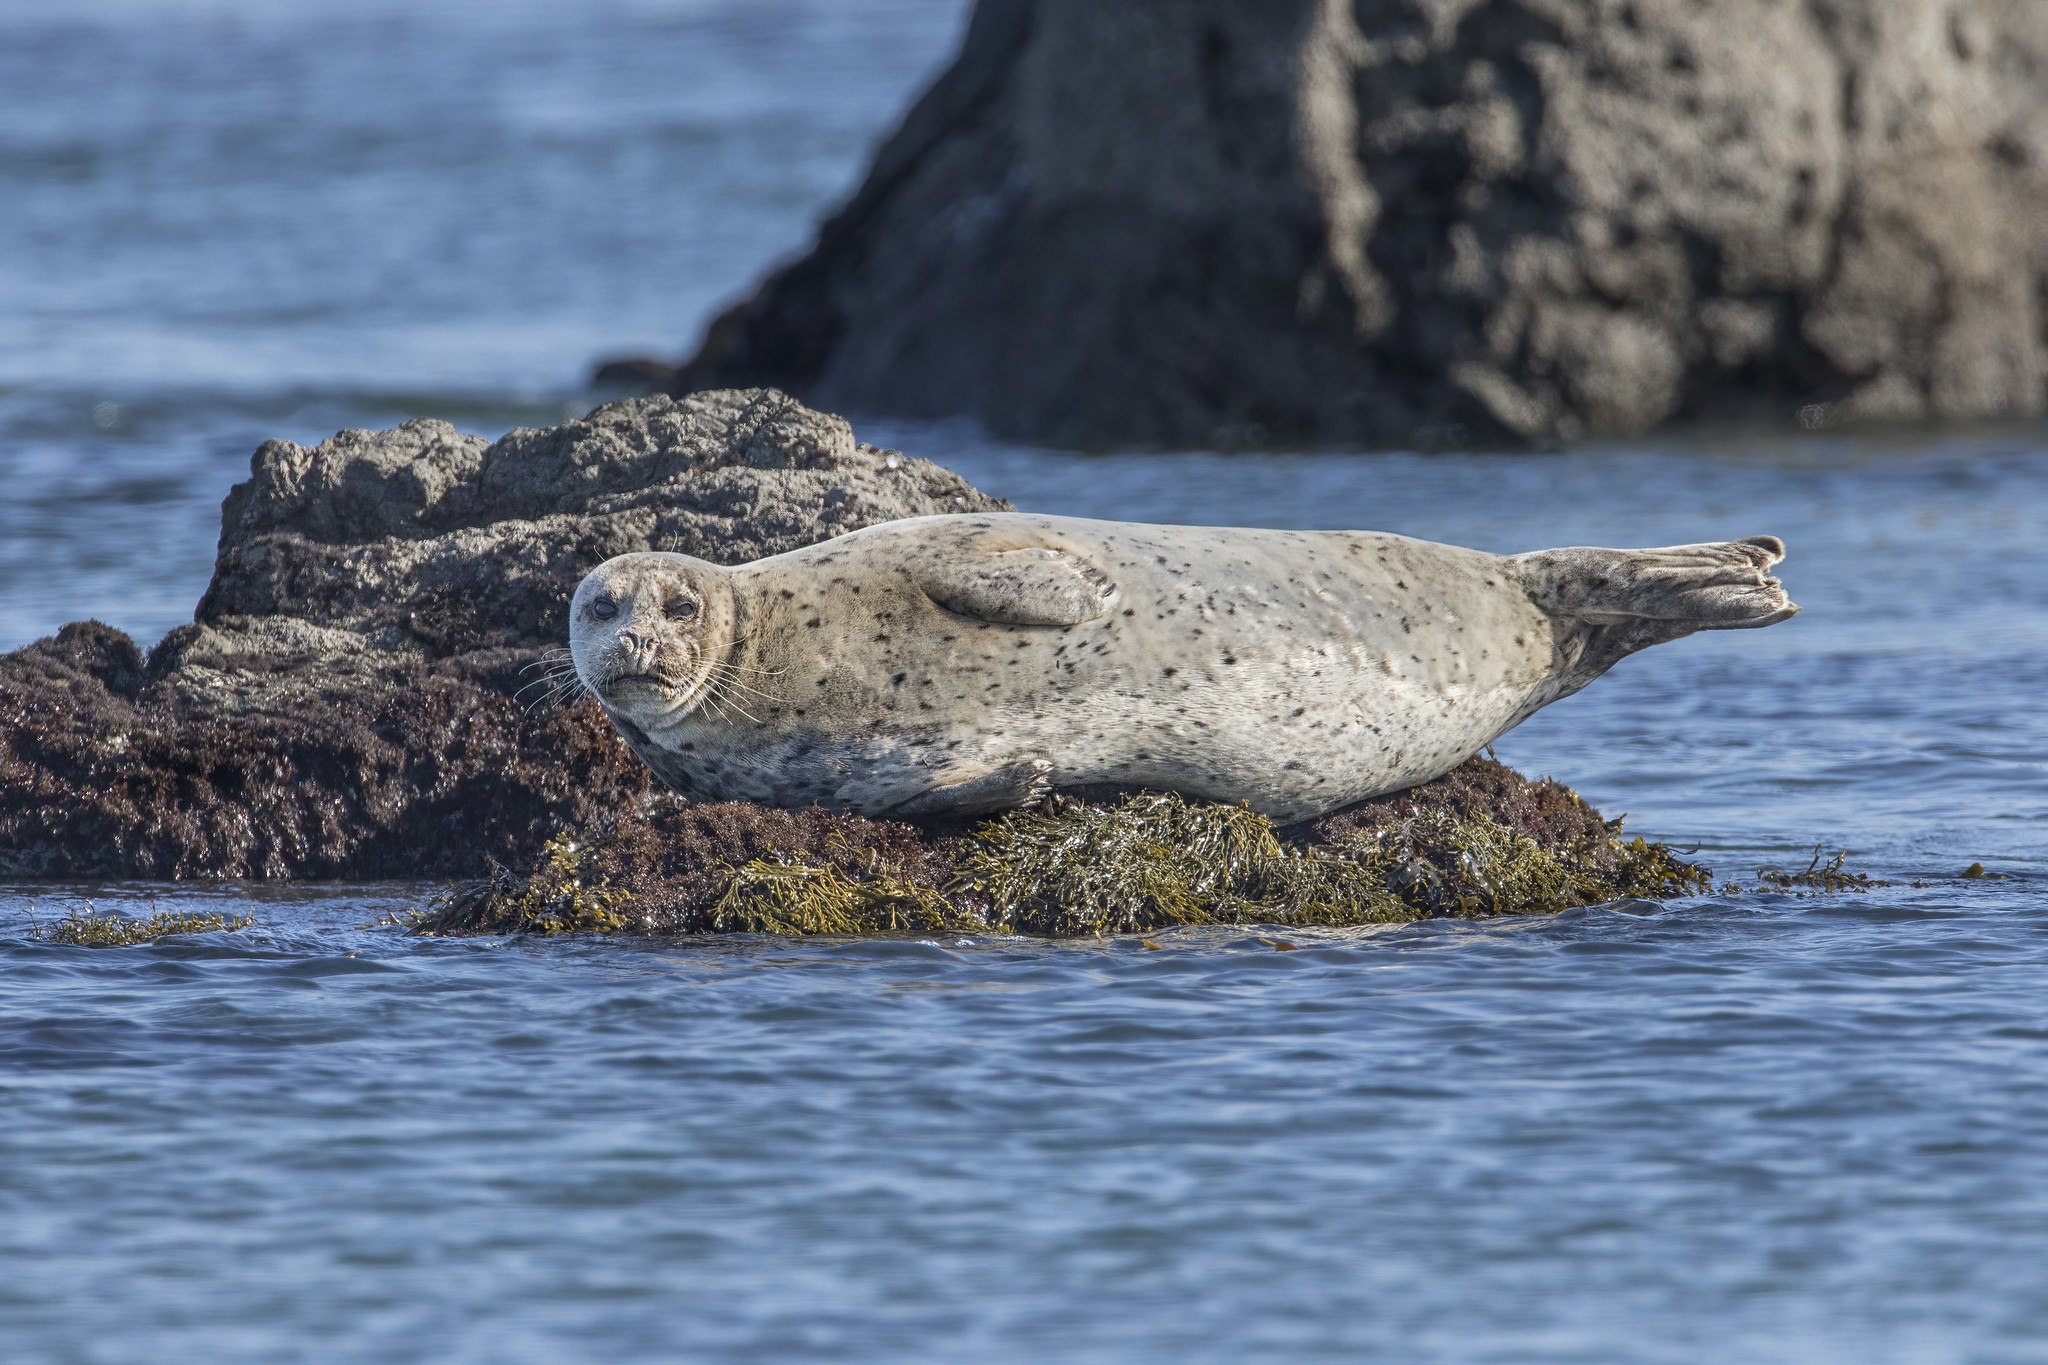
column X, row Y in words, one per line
column 344, row 703
column 1436, row 221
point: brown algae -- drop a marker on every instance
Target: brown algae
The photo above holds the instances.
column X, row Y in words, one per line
column 89, row 928
column 1480, row 842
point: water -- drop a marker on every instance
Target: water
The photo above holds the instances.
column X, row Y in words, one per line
column 1736, row 1127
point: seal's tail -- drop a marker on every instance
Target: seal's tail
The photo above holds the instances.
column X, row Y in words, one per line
column 1657, row 595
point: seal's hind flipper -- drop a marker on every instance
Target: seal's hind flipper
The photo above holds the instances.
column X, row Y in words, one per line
column 1034, row 586
column 1667, row 592
column 1611, row 603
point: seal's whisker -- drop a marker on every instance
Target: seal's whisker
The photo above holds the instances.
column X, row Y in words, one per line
column 757, row 672
column 742, row 710
column 729, row 691
column 551, row 676
column 712, row 704
column 749, row 668
column 566, row 687
column 734, row 684
column 737, row 643
column 548, row 681
column 716, row 694
column 732, row 681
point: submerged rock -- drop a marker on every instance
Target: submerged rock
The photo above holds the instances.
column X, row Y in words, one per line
column 1432, row 221
column 344, row 702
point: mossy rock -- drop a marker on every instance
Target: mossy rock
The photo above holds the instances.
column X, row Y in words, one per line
column 1480, row 841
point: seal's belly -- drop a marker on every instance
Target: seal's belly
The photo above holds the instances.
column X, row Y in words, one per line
column 1296, row 671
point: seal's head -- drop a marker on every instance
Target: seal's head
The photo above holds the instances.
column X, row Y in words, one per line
column 648, row 633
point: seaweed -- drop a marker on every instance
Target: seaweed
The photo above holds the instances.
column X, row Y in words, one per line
column 1483, row 841
column 89, row 928
column 777, row 896
column 1148, row 861
column 552, row 899
column 1817, row 876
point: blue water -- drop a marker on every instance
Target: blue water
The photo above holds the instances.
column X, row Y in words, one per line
column 1737, row 1127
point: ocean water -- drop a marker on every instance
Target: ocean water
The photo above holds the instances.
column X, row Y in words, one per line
column 1735, row 1127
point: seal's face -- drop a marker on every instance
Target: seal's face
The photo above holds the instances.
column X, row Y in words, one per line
column 647, row 632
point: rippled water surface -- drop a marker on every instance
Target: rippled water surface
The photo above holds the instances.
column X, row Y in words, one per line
column 1738, row 1127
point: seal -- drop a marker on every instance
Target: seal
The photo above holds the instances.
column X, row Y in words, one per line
column 953, row 665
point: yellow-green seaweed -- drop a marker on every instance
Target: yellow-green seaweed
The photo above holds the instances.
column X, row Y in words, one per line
column 1148, row 861
column 551, row 900
column 1066, row 868
column 89, row 928
column 777, row 896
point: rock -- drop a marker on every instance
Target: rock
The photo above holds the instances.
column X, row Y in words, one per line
column 633, row 374
column 343, row 704
column 1434, row 221
column 1481, row 840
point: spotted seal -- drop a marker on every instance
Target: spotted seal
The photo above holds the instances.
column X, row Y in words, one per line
column 950, row 665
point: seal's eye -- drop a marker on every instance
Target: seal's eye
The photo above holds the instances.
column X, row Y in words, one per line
column 682, row 609
column 603, row 608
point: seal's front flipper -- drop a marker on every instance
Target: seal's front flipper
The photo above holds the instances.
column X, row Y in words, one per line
column 1035, row 586
column 1000, row 790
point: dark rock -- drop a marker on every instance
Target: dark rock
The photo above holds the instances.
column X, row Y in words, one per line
column 633, row 374
column 344, row 705
column 1432, row 221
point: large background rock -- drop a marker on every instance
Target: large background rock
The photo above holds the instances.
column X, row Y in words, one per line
column 1436, row 220
column 344, row 703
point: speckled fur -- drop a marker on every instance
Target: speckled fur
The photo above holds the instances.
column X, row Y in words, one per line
column 1298, row 671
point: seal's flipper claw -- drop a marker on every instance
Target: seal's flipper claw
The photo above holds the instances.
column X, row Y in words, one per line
column 1019, row 785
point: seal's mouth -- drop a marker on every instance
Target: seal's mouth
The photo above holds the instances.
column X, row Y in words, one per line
column 627, row 682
